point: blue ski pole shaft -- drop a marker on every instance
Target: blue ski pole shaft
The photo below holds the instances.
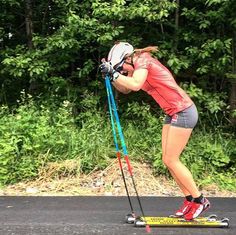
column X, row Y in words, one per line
column 118, row 154
column 108, row 83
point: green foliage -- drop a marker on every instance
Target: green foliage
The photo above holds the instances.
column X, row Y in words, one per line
column 143, row 145
column 207, row 54
column 196, row 41
column 36, row 134
column 178, row 63
column 212, row 107
column 211, row 158
column 121, row 9
column 73, row 37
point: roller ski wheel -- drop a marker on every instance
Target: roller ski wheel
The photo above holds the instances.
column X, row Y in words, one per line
column 139, row 222
column 212, row 217
column 130, row 218
column 225, row 221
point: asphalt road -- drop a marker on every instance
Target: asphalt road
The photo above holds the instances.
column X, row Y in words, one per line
column 98, row 215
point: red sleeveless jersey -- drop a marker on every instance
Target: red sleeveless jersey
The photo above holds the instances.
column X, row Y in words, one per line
column 161, row 85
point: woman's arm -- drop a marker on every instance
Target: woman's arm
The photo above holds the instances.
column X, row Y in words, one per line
column 120, row 88
column 133, row 83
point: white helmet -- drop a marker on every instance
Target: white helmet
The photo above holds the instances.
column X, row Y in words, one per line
column 118, row 52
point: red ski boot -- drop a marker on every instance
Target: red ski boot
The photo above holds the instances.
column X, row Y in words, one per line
column 196, row 209
column 184, row 209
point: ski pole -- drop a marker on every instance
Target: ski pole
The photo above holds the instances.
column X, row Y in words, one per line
column 122, row 139
column 118, row 154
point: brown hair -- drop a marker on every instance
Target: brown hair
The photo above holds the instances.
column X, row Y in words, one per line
column 146, row 49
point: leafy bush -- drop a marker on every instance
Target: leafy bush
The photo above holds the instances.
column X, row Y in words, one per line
column 212, row 107
column 142, row 131
column 35, row 134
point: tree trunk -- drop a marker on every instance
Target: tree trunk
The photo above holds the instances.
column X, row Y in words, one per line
column 29, row 23
column 176, row 39
column 232, row 100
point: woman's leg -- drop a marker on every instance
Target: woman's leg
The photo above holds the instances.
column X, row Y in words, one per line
column 165, row 130
column 174, row 140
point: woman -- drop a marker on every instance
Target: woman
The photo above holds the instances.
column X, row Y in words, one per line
column 147, row 73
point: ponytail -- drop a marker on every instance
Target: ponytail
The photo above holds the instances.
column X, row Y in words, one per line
column 148, row 49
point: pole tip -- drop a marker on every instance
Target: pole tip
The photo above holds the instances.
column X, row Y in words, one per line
column 148, row 229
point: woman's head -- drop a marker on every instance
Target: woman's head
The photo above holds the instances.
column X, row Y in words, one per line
column 122, row 54
column 118, row 53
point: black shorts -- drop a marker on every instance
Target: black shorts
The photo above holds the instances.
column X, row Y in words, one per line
column 186, row 119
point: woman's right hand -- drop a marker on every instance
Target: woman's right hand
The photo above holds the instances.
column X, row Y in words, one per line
column 106, row 67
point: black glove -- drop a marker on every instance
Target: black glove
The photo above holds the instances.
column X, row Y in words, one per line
column 106, row 67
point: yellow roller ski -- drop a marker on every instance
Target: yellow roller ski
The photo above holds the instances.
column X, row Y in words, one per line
column 210, row 221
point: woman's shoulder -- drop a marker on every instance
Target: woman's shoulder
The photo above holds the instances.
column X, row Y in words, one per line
column 142, row 60
column 145, row 55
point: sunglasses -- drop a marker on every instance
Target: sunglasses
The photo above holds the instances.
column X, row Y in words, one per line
column 119, row 67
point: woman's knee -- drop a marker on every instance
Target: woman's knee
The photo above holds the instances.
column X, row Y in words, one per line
column 169, row 161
